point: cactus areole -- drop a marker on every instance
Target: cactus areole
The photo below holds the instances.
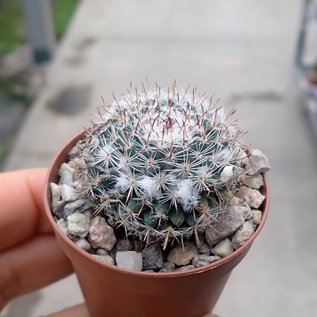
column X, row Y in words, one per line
column 162, row 164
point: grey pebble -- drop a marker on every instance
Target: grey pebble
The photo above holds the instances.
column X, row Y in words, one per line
column 124, row 245
column 168, row 267
column 102, row 252
column 138, row 245
column 83, row 244
column 203, row 259
column 228, row 222
column 185, row 268
column 255, row 181
column 152, row 257
column 79, row 205
column 245, row 210
column 242, row 235
column 257, row 162
column 204, row 248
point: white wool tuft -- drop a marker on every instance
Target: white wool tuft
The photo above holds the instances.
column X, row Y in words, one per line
column 148, row 185
column 123, row 182
column 104, row 154
column 186, row 194
column 104, row 151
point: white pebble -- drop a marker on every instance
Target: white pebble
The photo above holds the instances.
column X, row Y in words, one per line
column 130, row 260
column 56, row 191
column 69, row 193
column 78, row 224
column 62, row 224
column 67, row 175
column 223, row 248
column 57, row 203
column 226, row 174
column 104, row 258
column 257, row 216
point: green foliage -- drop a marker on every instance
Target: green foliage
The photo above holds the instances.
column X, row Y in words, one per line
column 12, row 24
column 162, row 163
column 62, row 13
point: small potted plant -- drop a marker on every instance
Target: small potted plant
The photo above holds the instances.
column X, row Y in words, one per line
column 156, row 203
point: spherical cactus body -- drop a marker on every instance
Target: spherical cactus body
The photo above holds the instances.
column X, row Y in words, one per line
column 162, row 163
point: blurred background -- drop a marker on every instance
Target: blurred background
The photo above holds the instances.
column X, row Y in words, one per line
column 58, row 58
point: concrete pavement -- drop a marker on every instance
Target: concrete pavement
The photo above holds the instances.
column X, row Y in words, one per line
column 240, row 50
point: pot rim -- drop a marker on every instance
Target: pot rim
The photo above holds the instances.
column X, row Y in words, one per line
column 72, row 245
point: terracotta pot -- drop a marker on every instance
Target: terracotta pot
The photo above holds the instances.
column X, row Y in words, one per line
column 116, row 292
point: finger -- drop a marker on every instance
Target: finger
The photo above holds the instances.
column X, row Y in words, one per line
column 32, row 265
column 21, row 208
column 78, row 311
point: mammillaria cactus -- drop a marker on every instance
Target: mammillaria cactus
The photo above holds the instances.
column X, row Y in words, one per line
column 163, row 164
column 158, row 199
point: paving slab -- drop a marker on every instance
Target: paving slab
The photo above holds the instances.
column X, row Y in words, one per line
column 240, row 50
column 225, row 49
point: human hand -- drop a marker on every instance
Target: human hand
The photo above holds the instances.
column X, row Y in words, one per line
column 30, row 257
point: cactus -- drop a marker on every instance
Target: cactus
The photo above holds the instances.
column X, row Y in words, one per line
column 161, row 163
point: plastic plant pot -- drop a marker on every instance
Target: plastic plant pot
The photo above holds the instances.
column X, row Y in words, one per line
column 112, row 291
